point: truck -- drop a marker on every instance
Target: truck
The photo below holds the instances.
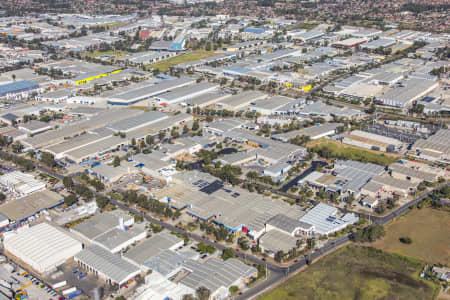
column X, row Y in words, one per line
column 69, row 290
column 75, row 294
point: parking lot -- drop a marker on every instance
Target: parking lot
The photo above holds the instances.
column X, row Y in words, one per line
column 23, row 281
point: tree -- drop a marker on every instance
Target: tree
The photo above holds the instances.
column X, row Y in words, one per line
column 17, row 147
column 233, row 289
column 369, row 234
column 161, row 135
column 116, row 162
column 149, row 140
column 188, row 297
column 279, row 256
column 70, row 200
column 68, row 182
column 228, row 253
column 2, row 196
column 101, row 200
column 48, row 159
column 13, row 76
column 203, row 293
column 195, row 126
column 133, row 142
column 406, row 240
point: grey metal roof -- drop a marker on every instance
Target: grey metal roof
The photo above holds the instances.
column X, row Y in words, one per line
column 107, row 263
column 187, row 91
column 430, row 177
column 116, row 237
column 166, row 262
column 151, row 90
column 215, row 273
column 138, row 121
column 275, row 240
column 288, row 224
column 152, row 247
column 100, row 224
column 322, row 216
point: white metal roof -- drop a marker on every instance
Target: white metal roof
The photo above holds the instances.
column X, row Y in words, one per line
column 43, row 246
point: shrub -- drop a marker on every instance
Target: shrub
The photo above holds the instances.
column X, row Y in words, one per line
column 406, row 240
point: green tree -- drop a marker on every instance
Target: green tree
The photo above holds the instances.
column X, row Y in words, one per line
column 149, row 140
column 116, row 162
column 203, row 293
column 68, row 182
column 17, row 147
column 101, row 200
column 133, row 142
column 228, row 253
column 195, row 125
column 48, row 159
column 233, row 289
column 70, row 200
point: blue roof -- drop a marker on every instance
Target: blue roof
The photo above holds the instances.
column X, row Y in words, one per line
column 17, row 87
column 10, row 116
column 238, row 69
column 256, row 30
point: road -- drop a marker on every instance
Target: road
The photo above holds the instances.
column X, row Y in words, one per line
column 277, row 273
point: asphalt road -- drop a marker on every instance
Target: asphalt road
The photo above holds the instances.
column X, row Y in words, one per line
column 276, row 273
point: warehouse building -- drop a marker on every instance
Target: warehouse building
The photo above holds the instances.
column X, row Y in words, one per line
column 34, row 127
column 217, row 275
column 135, row 122
column 21, row 88
column 411, row 173
column 146, row 58
column 404, row 95
column 205, row 197
column 275, row 240
column 144, row 90
column 112, row 230
column 185, row 93
column 240, row 100
column 325, row 219
column 42, row 247
column 107, row 266
column 271, row 105
column 434, row 148
column 377, row 44
column 152, row 247
column 21, row 183
column 24, row 208
column 289, row 225
column 313, row 132
column 206, row 99
column 373, row 141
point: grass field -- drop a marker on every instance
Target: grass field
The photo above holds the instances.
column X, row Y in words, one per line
column 355, row 272
column 183, row 58
column 429, row 230
column 343, row 151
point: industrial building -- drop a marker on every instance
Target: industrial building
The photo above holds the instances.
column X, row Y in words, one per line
column 271, row 105
column 238, row 101
column 325, row 219
column 435, row 147
column 107, row 266
column 34, row 127
column 204, row 197
column 22, row 209
column 275, row 240
column 373, row 141
column 42, row 247
column 217, row 275
column 313, row 132
column 152, row 247
column 18, row 87
column 144, row 90
column 21, row 183
column 289, row 225
column 112, row 230
column 185, row 93
column 410, row 90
